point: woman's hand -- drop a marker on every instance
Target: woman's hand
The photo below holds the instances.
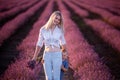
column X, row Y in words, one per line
column 42, row 60
column 31, row 64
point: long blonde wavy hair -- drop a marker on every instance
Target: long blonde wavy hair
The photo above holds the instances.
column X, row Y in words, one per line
column 49, row 23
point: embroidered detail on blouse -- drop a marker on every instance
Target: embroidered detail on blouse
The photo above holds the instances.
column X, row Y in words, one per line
column 48, row 38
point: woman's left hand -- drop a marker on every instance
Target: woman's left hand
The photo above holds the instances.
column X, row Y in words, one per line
column 31, row 64
column 42, row 60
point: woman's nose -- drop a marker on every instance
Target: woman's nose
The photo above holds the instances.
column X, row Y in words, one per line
column 57, row 20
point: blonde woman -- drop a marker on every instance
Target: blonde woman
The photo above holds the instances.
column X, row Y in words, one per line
column 52, row 36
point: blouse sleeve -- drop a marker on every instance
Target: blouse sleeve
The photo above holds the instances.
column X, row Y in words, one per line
column 40, row 39
column 62, row 40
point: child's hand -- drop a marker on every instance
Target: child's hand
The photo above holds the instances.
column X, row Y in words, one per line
column 63, row 68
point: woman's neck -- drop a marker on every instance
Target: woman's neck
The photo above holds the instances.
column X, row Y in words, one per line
column 53, row 27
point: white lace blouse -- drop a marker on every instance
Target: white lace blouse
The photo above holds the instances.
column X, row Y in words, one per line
column 48, row 38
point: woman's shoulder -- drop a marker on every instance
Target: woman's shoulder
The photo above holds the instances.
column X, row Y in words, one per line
column 60, row 29
column 42, row 28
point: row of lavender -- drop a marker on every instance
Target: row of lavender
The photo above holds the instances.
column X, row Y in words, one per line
column 84, row 61
column 15, row 70
column 107, row 16
column 16, row 9
column 8, row 5
column 106, row 31
column 9, row 28
column 110, row 5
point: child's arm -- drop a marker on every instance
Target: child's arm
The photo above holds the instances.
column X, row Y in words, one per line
column 65, row 66
column 64, row 69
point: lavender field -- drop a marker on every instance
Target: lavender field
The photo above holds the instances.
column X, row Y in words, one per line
column 92, row 33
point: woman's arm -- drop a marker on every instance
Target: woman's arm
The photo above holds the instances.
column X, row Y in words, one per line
column 37, row 50
column 31, row 63
column 38, row 45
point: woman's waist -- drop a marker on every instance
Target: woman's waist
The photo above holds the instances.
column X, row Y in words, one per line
column 52, row 49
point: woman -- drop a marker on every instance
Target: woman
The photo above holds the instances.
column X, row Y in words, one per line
column 52, row 36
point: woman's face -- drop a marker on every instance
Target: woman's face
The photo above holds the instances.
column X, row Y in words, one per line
column 56, row 20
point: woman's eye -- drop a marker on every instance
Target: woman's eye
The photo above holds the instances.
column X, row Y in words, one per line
column 57, row 19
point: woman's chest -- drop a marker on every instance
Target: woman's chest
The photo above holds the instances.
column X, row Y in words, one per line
column 55, row 34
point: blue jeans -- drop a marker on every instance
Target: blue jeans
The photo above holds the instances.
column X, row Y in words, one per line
column 52, row 65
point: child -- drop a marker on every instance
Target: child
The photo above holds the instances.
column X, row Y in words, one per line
column 65, row 64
